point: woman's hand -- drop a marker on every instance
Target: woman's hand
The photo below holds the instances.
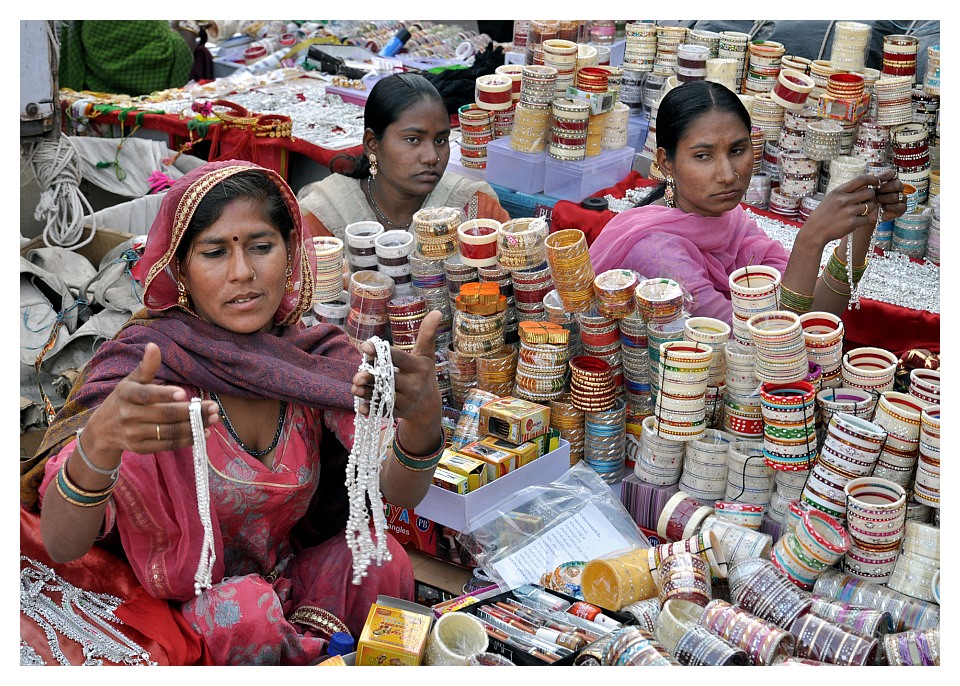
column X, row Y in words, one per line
column 141, row 416
column 417, row 393
column 890, row 195
column 848, row 208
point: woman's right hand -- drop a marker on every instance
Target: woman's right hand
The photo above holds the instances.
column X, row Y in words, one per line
column 841, row 211
column 141, row 416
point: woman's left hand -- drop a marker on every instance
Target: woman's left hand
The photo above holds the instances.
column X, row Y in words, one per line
column 417, row 397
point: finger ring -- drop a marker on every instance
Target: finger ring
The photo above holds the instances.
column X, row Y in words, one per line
column 899, row 197
column 158, row 433
column 866, row 210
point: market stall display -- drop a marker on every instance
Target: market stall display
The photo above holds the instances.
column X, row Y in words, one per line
column 763, row 493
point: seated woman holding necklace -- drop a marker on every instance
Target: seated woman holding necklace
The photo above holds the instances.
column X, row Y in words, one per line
column 406, row 147
column 226, row 281
column 697, row 234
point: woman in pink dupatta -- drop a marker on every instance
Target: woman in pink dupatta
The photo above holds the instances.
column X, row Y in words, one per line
column 698, row 234
column 227, row 281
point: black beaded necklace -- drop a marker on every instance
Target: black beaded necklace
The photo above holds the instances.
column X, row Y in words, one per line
column 250, row 451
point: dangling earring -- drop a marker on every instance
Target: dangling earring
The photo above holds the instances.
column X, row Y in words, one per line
column 670, row 192
column 373, row 165
column 289, row 284
column 182, row 296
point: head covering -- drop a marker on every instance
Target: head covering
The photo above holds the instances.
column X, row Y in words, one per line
column 311, row 366
column 179, row 205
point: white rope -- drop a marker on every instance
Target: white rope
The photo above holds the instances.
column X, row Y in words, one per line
column 62, row 206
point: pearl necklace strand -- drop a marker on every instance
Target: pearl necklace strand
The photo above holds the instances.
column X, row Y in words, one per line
column 855, row 287
column 203, row 579
column 373, row 434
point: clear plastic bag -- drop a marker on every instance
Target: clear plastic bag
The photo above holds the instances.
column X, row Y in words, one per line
column 576, row 517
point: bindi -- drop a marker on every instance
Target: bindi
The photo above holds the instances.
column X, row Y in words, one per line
column 236, row 239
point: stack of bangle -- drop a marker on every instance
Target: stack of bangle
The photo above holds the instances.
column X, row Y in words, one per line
column 821, row 640
column 416, row 463
column 562, row 56
column 864, row 621
column 899, row 415
column 328, row 280
column 762, row 641
column 436, row 230
column 604, row 440
column 669, row 39
column 521, row 244
column 462, row 373
column 927, row 485
column 361, row 239
column 571, row 269
column 405, row 315
column 496, row 372
column 870, row 369
column 77, row 496
column 660, row 461
column 900, row 55
column 591, row 384
column 635, row 362
column 613, row 582
column 640, row 49
column 893, row 100
column 704, row 473
column 541, row 372
column 907, row 613
column 600, row 338
column 393, row 250
column 459, row 275
column 569, row 421
column 749, row 478
column 931, row 79
column 789, row 434
column 780, row 348
column 822, row 141
column 733, row 45
column 795, row 302
column 659, row 300
column 876, row 514
column 657, row 334
column 539, row 31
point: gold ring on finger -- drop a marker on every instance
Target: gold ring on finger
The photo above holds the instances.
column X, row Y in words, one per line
column 866, row 210
column 158, row 433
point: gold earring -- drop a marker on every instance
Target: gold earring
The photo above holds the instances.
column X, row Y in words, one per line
column 373, row 165
column 289, row 284
column 182, row 296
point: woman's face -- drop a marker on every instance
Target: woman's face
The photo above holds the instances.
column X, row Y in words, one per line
column 235, row 269
column 414, row 150
column 712, row 165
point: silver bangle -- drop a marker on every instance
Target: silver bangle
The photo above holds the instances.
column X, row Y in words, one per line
column 114, row 473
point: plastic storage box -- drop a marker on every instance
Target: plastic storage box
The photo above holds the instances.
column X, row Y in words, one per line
column 519, row 171
column 576, row 180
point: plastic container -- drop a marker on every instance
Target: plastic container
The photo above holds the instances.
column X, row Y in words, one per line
column 340, row 644
column 519, row 171
column 575, row 180
column 454, row 165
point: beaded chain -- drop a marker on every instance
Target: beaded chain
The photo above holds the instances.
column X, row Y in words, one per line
column 80, row 615
column 373, row 433
column 203, row 578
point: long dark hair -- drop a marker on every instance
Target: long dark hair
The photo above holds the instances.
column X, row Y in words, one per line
column 682, row 106
column 388, row 100
column 252, row 184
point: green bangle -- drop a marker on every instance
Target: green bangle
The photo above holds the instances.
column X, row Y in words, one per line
column 416, row 463
column 78, row 497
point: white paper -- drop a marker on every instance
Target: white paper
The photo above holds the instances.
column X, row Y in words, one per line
column 584, row 536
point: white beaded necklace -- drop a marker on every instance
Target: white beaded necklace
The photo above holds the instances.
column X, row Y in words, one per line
column 203, row 579
column 373, row 433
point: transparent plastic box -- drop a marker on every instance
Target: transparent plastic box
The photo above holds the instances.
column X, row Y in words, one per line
column 578, row 179
column 519, row 171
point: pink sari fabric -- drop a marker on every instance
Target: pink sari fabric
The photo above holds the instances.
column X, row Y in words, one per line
column 260, row 577
column 698, row 252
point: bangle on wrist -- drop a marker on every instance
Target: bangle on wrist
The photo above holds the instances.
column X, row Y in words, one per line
column 112, row 473
column 823, row 277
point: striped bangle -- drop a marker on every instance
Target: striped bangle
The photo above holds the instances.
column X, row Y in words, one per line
column 75, row 496
column 416, row 463
column 798, row 302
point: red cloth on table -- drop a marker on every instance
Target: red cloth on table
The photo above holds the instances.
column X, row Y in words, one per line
column 875, row 324
column 267, row 152
column 149, row 622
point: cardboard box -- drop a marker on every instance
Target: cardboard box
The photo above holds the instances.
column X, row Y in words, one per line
column 498, row 462
column 514, row 420
column 546, row 443
column 456, row 511
column 395, row 633
column 451, row 481
column 430, row 538
column 525, row 452
column 473, row 469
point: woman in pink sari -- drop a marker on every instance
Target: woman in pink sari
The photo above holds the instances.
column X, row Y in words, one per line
column 228, row 277
column 697, row 233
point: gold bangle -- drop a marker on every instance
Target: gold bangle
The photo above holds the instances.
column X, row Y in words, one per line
column 823, row 277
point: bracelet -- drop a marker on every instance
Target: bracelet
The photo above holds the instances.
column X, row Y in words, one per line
column 823, row 277
column 112, row 473
column 75, row 496
column 798, row 302
column 416, row 463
